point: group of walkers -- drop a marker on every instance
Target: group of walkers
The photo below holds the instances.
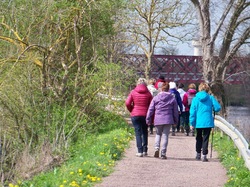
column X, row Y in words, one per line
column 167, row 107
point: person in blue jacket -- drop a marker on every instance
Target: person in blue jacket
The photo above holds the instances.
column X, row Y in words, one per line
column 201, row 118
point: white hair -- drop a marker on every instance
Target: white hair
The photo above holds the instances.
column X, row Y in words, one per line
column 142, row 81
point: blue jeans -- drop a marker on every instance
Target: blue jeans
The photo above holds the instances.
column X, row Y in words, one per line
column 141, row 133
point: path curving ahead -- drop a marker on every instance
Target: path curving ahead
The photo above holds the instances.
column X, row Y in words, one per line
column 179, row 170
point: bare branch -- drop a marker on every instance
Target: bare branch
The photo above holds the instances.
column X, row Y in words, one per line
column 222, row 19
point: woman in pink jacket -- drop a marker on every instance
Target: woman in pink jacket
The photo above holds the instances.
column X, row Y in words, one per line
column 137, row 104
column 187, row 99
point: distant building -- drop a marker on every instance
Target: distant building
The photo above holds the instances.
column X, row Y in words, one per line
column 197, row 48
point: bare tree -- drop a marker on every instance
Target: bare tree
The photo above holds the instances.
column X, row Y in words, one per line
column 229, row 33
column 169, row 50
column 150, row 23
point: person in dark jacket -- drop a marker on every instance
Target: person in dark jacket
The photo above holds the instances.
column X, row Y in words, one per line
column 173, row 90
column 164, row 109
column 181, row 124
column 137, row 104
column 201, row 118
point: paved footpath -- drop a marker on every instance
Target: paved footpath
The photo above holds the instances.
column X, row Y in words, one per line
column 179, row 170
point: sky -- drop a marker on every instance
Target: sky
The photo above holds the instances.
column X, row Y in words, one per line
column 185, row 49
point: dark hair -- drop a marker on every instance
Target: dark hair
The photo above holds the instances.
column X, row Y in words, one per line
column 180, row 85
column 161, row 77
column 165, row 87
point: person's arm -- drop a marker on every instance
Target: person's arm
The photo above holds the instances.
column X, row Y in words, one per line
column 193, row 113
column 185, row 100
column 179, row 101
column 150, row 113
column 175, row 112
column 129, row 102
column 216, row 104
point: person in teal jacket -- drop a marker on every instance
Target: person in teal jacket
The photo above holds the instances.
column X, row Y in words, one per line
column 201, row 118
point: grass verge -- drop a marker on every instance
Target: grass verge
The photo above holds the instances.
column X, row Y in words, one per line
column 91, row 160
column 238, row 174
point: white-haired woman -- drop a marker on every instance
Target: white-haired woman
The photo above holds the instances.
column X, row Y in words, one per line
column 137, row 104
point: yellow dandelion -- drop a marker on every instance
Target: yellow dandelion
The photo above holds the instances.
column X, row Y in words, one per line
column 11, row 185
column 104, row 169
column 98, row 179
column 74, row 183
column 105, row 144
column 84, row 182
column 64, row 181
column 102, row 153
column 61, row 185
column 71, row 173
column 79, row 170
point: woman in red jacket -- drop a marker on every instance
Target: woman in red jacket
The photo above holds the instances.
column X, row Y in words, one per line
column 137, row 104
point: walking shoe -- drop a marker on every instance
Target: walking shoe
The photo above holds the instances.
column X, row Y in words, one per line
column 173, row 133
column 156, row 155
column 192, row 132
column 182, row 129
column 204, row 158
column 139, row 154
column 145, row 154
column 198, row 156
column 163, row 157
column 151, row 132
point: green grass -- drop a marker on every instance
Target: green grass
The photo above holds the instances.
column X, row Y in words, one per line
column 93, row 159
column 238, row 174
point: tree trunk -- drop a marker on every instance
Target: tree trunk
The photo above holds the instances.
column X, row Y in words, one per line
column 218, row 91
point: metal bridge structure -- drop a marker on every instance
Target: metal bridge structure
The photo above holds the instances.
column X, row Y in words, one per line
column 187, row 69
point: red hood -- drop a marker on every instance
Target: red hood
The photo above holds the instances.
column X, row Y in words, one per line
column 141, row 88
